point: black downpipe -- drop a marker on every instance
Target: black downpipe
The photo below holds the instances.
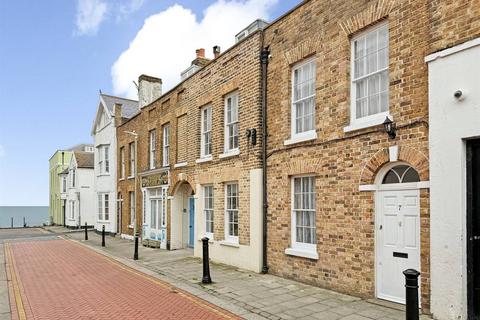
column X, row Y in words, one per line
column 264, row 56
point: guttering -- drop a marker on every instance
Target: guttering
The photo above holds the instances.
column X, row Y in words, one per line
column 264, row 56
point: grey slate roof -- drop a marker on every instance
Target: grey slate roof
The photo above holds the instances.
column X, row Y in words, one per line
column 129, row 107
column 84, row 159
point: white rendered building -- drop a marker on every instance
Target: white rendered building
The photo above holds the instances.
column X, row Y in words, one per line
column 104, row 135
column 79, row 193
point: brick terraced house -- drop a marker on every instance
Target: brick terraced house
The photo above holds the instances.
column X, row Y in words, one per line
column 348, row 169
column 348, row 204
column 199, row 173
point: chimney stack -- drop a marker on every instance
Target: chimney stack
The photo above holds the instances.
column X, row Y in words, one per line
column 149, row 90
column 216, row 52
column 200, row 53
column 117, row 111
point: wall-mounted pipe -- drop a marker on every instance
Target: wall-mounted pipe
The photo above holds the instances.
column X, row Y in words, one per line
column 264, row 57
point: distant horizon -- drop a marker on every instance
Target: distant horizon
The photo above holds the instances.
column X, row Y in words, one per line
column 3, row 206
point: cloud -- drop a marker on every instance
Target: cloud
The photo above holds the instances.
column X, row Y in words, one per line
column 90, row 14
column 166, row 43
column 125, row 9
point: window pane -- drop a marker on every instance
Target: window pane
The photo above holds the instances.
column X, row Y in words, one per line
column 359, row 67
column 391, row 177
column 411, row 176
column 383, row 58
column 359, row 48
column 383, row 37
column 371, row 42
column 299, row 234
column 371, row 63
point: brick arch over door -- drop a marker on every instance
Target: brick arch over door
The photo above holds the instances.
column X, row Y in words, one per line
column 178, row 180
column 412, row 156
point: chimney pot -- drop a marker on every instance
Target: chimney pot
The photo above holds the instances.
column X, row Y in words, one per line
column 216, row 51
column 200, row 53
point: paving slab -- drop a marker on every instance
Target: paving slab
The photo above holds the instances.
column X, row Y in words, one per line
column 245, row 293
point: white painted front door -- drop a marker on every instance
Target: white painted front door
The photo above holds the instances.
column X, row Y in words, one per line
column 398, row 241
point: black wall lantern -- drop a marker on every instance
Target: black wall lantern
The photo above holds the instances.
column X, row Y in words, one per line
column 390, row 128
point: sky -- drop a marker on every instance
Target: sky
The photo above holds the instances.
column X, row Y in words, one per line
column 56, row 55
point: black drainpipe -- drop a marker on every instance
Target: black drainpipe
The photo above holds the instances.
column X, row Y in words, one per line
column 264, row 56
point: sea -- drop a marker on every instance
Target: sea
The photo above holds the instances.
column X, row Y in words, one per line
column 34, row 216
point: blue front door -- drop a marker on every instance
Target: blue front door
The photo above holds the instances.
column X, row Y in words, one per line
column 191, row 220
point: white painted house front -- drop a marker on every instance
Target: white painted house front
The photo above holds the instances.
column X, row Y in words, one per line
column 80, row 194
column 454, row 109
column 105, row 183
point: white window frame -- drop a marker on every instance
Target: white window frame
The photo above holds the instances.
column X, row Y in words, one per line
column 305, row 135
column 228, row 237
column 374, row 119
column 103, row 203
column 72, row 210
column 132, row 203
column 205, row 209
column 152, row 149
column 103, row 159
column 307, row 250
column 106, row 159
column 73, row 178
column 166, row 145
column 122, row 163
column 206, row 130
column 227, row 149
column 131, row 148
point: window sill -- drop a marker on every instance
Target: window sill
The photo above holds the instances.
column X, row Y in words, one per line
column 305, row 136
column 204, row 159
column 229, row 154
column 103, row 174
column 362, row 124
column 103, row 221
column 131, row 177
column 121, row 179
column 130, row 226
column 302, row 253
column 180, row 165
column 229, row 244
column 166, row 166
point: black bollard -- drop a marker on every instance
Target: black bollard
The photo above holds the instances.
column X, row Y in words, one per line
column 86, row 232
column 12, row 222
column 24, row 223
column 206, row 262
column 103, row 236
column 411, row 294
column 135, row 253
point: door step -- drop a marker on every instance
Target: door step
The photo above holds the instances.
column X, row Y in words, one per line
column 387, row 304
column 151, row 243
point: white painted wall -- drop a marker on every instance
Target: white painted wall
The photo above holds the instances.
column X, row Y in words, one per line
column 451, row 121
column 106, row 183
column 84, row 197
column 243, row 256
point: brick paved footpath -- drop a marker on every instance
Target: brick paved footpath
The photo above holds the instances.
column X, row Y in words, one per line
column 60, row 279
